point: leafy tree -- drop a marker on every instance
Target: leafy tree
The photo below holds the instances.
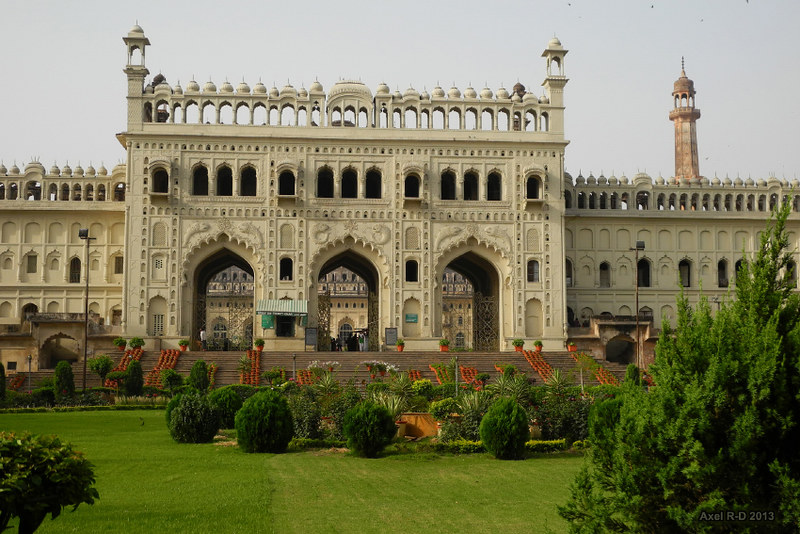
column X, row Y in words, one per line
column 41, row 475
column 632, row 374
column 65, row 381
column 134, row 379
column 101, row 366
column 198, row 376
column 719, row 431
column 171, row 379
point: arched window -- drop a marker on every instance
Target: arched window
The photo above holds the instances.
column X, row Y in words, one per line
column 494, row 186
column 411, row 189
column 685, row 271
column 349, row 184
column 75, row 271
column 247, row 182
column 605, row 275
column 722, row 273
column 373, row 185
column 737, row 268
column 224, row 181
column 533, row 271
column 532, row 188
column 325, row 183
column 200, row 181
column 470, row 186
column 286, row 183
column 568, row 200
column 119, row 192
column 643, row 273
column 412, row 271
column 568, row 269
column 460, row 340
column 345, row 332
column 286, row 268
column 160, row 181
column 448, row 185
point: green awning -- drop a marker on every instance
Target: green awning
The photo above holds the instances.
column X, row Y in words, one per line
column 282, row 307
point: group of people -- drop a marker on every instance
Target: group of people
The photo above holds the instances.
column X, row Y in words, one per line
column 354, row 343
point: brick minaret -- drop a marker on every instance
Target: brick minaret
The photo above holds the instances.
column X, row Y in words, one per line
column 685, row 116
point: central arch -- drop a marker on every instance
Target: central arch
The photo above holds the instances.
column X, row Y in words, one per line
column 232, row 298
column 472, row 263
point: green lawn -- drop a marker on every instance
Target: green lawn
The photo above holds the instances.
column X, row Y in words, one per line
column 148, row 483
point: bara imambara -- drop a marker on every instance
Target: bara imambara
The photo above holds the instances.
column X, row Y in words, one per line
column 300, row 215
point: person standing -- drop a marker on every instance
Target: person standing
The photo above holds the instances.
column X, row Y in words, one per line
column 203, row 338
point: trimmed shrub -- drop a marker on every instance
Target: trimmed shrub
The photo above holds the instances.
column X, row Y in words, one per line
column 171, row 406
column 64, row 381
column 264, row 423
column 341, row 404
column 198, row 376
column 368, row 427
column 306, row 415
column 423, row 387
column 2, row 381
column 632, row 374
column 504, row 429
column 194, row 419
column 441, row 409
column 227, row 403
column 171, row 379
column 134, row 379
column 245, row 391
column 101, row 366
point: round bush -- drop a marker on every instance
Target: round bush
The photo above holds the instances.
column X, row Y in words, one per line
column 134, row 379
column 504, row 429
column 198, row 376
column 193, row 420
column 64, row 380
column 171, row 406
column 264, row 423
column 368, row 427
column 227, row 403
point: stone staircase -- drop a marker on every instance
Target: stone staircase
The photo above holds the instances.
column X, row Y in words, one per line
column 350, row 367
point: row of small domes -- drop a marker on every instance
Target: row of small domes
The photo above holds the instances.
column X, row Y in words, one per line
column 644, row 178
column 54, row 170
column 347, row 87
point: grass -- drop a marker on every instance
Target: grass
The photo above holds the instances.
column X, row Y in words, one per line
column 148, row 483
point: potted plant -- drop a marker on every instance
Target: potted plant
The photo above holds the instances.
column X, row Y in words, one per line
column 572, row 347
column 183, row 344
column 444, row 345
column 120, row 343
column 537, row 345
column 518, row 343
column 136, row 343
column 259, row 344
column 401, row 344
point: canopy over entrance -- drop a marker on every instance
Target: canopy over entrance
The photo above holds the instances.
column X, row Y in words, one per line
column 294, row 308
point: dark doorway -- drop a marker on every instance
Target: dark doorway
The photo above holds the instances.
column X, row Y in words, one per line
column 482, row 277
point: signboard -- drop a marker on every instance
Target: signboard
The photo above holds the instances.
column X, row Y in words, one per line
column 411, row 317
column 391, row 336
column 267, row 321
column 311, row 336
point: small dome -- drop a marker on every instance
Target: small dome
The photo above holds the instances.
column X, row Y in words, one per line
column 795, row 183
column 66, row 171
column 727, row 181
column 530, row 97
column 192, row 87
column 102, row 170
column 568, row 178
column 78, row 170
column 411, row 93
column 469, row 92
column 683, row 84
column 34, row 166
column 14, row 169
column 738, row 182
column 54, row 170
column 178, row 90
column 602, row 180
column 288, row 90
column 226, row 87
column 660, row 180
column 273, row 92
column 591, row 180
column 302, row 93
column 260, row 89
column 243, row 88
column 502, row 94
column 209, row 87
column 703, row 180
column 715, row 181
column 749, row 182
column 90, row 170
column 397, row 95
column 554, row 43
column 316, row 87
column 516, row 98
column 136, row 31
column 454, row 92
column 772, row 180
column 519, row 89
column 580, row 180
column 148, row 90
column 382, row 89
column 438, row 92
column 642, row 178
column 544, row 100
column 612, row 180
column 164, row 86
column 623, row 180
column 486, row 93
column 424, row 95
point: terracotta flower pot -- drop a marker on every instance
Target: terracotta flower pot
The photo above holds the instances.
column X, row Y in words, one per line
column 184, row 347
column 537, row 348
column 444, row 348
column 400, row 348
column 572, row 348
column 518, row 348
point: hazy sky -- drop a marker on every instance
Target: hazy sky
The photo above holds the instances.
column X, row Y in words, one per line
column 63, row 90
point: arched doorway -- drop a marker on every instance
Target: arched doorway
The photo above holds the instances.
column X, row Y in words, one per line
column 348, row 279
column 482, row 282
column 224, row 300
column 57, row 348
column 621, row 349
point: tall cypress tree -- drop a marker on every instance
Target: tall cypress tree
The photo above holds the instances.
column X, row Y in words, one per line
column 719, row 431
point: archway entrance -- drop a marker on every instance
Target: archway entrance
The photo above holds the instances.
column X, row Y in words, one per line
column 224, row 300
column 347, row 303
column 471, row 281
column 621, row 349
column 57, row 348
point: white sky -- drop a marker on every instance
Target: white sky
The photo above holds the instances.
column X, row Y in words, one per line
column 62, row 87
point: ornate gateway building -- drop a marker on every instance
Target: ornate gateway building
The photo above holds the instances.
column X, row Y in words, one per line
column 292, row 185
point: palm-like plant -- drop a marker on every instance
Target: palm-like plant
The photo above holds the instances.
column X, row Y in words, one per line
column 327, row 384
column 394, row 403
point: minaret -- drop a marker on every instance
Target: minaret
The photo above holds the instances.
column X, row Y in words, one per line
column 136, row 72
column 554, row 85
column 685, row 115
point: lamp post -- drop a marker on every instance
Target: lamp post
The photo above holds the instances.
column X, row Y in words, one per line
column 639, row 246
column 30, row 359
column 83, row 233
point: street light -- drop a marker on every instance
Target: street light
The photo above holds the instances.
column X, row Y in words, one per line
column 83, row 233
column 30, row 359
column 639, row 246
